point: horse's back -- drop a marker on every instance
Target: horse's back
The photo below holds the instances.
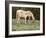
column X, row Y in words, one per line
column 20, row 11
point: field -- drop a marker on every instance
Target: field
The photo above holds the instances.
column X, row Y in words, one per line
column 25, row 27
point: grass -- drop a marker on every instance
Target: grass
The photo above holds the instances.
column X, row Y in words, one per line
column 22, row 26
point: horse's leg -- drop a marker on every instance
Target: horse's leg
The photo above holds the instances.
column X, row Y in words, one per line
column 25, row 20
column 18, row 21
column 33, row 18
column 29, row 20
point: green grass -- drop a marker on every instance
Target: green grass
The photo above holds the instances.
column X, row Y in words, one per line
column 22, row 26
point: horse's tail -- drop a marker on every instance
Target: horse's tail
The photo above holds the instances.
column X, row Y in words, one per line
column 33, row 18
column 16, row 15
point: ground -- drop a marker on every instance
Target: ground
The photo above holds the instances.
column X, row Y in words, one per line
column 22, row 26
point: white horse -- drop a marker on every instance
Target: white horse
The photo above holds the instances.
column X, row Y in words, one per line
column 24, row 14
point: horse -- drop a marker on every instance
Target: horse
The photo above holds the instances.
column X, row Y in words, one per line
column 24, row 14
